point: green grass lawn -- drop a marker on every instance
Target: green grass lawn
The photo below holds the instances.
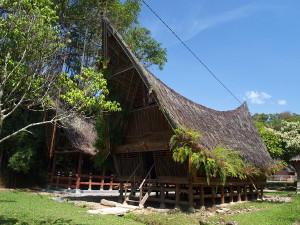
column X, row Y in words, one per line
column 20, row 207
column 268, row 213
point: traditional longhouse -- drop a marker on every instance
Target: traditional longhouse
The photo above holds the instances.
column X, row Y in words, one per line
column 296, row 163
column 154, row 110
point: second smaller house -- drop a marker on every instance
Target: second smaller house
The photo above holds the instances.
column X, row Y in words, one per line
column 71, row 149
column 296, row 163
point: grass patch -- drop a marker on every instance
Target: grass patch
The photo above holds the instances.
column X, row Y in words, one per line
column 19, row 207
column 268, row 213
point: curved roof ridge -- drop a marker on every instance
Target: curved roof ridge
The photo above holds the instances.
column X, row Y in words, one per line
column 244, row 104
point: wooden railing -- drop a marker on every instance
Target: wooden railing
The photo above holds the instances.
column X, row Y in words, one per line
column 84, row 181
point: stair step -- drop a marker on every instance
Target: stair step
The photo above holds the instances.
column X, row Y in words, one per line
column 129, row 200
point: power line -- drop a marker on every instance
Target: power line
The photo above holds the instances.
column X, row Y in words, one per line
column 192, row 52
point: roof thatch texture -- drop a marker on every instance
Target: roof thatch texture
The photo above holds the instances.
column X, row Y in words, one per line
column 233, row 129
column 81, row 133
column 295, row 159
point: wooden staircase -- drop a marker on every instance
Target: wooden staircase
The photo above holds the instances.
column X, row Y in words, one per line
column 144, row 189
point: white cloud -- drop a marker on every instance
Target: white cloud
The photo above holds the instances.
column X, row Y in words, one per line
column 281, row 102
column 257, row 97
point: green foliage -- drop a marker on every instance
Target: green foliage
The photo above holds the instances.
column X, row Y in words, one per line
column 29, row 39
column 87, row 91
column 145, row 48
column 217, row 163
column 80, row 23
column 110, row 132
column 25, row 157
column 281, row 134
column 271, row 140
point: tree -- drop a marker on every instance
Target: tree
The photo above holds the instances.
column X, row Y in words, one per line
column 30, row 66
column 271, row 140
column 281, row 133
column 80, row 23
column 42, row 39
column 289, row 134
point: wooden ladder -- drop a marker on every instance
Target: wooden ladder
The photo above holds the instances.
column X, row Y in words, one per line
column 145, row 188
column 150, row 185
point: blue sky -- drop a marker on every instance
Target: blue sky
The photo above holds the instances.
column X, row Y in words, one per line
column 252, row 46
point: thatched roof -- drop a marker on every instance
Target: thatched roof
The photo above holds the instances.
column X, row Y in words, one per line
column 80, row 133
column 233, row 129
column 295, row 159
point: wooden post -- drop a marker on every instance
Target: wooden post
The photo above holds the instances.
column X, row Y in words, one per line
column 69, row 181
column 239, row 193
column 102, row 179
column 57, row 178
column 222, row 195
column 256, row 192
column 245, row 193
column 191, row 198
column 90, row 182
column 53, row 169
column 231, row 193
column 251, row 191
column 177, row 196
column 79, row 171
column 213, row 194
column 132, row 191
column 102, row 183
column 111, row 182
column 121, row 190
column 261, row 191
column 202, row 206
column 162, row 196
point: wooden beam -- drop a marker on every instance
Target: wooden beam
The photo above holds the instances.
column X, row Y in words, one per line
column 79, row 171
column 222, row 195
column 162, row 196
column 245, row 193
column 177, row 196
column 213, row 196
column 239, row 193
column 191, row 198
column 202, row 206
column 231, row 193
column 53, row 169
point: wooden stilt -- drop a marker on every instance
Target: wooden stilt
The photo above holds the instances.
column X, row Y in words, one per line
column 111, row 183
column 162, row 196
column 213, row 198
column 69, row 180
column 79, row 171
column 256, row 192
column 132, row 191
column 53, row 169
column 239, row 193
column 231, row 194
column 121, row 191
column 222, row 195
column 177, row 196
column 245, row 193
column 167, row 193
column 90, row 181
column 57, row 178
column 202, row 206
column 261, row 191
column 251, row 192
column 191, row 198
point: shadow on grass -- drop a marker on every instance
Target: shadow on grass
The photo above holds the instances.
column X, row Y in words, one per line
column 6, row 201
column 10, row 221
